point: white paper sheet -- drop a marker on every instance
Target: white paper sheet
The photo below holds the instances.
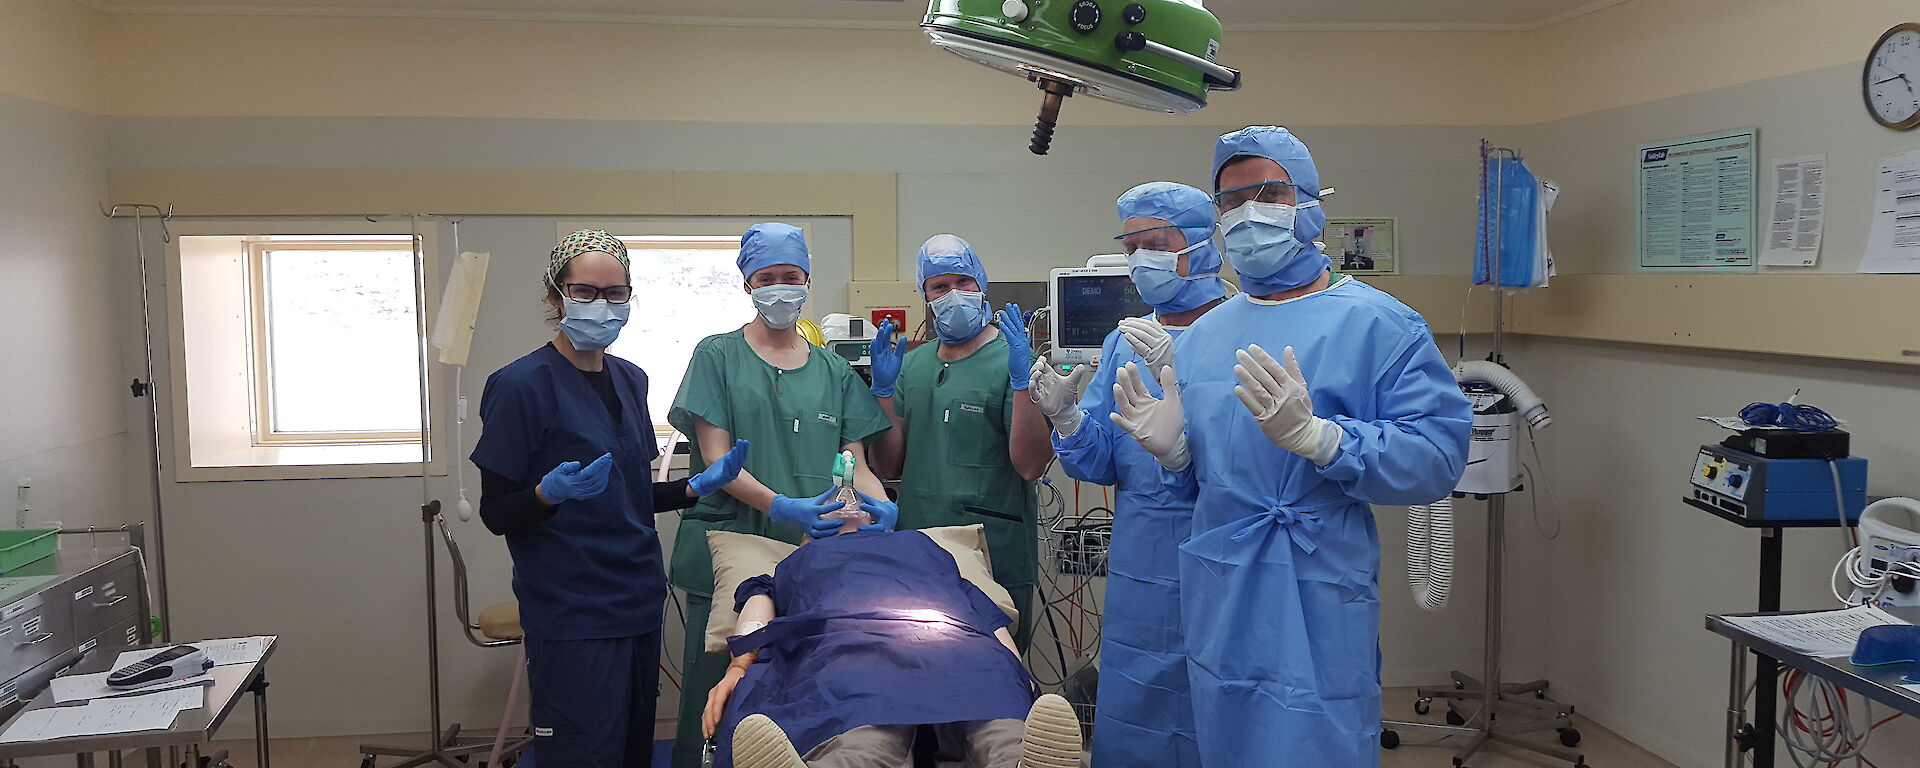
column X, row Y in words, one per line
column 1799, row 212
column 1738, row 424
column 1820, row 633
column 125, row 714
column 71, row 688
column 235, row 650
column 1893, row 240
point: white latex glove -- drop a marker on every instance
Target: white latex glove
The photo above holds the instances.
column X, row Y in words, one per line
column 1058, row 395
column 1151, row 341
column 1159, row 424
column 1277, row 396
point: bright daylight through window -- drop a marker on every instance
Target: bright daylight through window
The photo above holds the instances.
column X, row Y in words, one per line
column 687, row 288
column 300, row 355
column 337, row 345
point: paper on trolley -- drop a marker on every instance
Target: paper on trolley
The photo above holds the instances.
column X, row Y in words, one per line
column 1819, row 633
column 126, row 714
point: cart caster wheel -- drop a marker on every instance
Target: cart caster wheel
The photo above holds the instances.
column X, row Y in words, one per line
column 1457, row 763
column 1581, row 765
column 1422, row 706
column 366, row 761
column 1454, row 718
column 1389, row 739
column 1569, row 737
column 1459, row 686
column 1541, row 695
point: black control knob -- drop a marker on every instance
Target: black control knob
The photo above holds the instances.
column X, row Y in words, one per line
column 1085, row 16
column 1134, row 14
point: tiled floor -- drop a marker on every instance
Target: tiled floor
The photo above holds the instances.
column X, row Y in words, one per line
column 1602, row 749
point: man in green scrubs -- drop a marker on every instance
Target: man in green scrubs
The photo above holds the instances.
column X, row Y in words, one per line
column 798, row 405
column 967, row 441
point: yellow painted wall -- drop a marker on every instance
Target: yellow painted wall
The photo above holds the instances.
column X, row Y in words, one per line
column 63, row 53
column 1647, row 50
column 308, row 66
column 50, row 52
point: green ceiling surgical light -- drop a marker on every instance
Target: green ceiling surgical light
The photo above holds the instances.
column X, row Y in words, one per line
column 1151, row 54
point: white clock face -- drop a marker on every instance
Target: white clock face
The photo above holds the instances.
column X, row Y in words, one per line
column 1893, row 78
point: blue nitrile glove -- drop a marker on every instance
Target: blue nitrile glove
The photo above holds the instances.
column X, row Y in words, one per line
column 571, row 482
column 720, row 472
column 1013, row 326
column 885, row 513
column 885, row 356
column 805, row 513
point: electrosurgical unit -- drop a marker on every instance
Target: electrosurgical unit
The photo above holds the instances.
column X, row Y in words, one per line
column 1728, row 481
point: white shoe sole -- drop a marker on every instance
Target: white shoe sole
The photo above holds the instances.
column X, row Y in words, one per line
column 758, row 742
column 1052, row 737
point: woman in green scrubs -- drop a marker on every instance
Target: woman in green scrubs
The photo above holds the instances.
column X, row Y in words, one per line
column 798, row 405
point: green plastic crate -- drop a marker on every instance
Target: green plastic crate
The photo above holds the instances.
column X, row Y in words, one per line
column 27, row 545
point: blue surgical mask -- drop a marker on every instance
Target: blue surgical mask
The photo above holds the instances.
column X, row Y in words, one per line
column 1260, row 240
column 779, row 304
column 959, row 315
column 1156, row 274
column 592, row 325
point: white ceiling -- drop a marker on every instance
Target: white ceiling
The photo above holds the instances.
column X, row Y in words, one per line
column 1242, row 14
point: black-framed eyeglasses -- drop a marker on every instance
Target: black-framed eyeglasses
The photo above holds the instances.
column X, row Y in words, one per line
column 1275, row 191
column 582, row 292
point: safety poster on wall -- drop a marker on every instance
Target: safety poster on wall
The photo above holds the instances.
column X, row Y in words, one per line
column 1362, row 246
column 1697, row 199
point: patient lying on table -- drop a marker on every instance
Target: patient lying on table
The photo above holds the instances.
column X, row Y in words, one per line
column 857, row 640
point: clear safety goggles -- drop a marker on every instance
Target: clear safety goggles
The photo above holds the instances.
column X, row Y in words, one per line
column 1140, row 239
column 1276, row 191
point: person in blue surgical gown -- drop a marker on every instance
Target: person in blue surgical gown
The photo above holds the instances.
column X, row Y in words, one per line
column 1145, row 717
column 1298, row 403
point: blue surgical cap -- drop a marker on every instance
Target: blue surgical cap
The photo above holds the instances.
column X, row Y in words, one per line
column 948, row 255
column 1281, row 146
column 1182, row 206
column 772, row 244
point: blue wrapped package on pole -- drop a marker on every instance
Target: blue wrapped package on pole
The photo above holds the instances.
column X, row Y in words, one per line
column 1510, row 232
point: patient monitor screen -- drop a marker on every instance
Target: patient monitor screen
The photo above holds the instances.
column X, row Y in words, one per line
column 1092, row 306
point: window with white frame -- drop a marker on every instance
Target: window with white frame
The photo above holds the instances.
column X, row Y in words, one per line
column 335, row 347
column 685, row 288
column 300, row 355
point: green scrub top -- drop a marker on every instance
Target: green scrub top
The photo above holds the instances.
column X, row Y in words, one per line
column 959, row 417
column 795, row 421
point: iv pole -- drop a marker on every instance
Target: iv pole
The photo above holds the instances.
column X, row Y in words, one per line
column 144, row 388
column 1492, row 694
column 446, row 747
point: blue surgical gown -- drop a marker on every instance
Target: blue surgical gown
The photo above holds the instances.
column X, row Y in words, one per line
column 1145, row 717
column 874, row 628
column 593, row 570
column 1281, row 574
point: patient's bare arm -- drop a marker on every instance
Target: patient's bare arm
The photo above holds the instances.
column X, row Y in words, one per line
column 755, row 614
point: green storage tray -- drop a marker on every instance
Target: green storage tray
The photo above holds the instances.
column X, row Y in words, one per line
column 27, row 545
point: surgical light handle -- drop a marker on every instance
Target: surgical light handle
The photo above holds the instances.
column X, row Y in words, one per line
column 1219, row 78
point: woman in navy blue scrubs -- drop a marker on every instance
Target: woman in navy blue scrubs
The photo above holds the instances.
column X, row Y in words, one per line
column 564, row 460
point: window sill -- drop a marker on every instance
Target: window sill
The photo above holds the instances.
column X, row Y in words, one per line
column 310, row 462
